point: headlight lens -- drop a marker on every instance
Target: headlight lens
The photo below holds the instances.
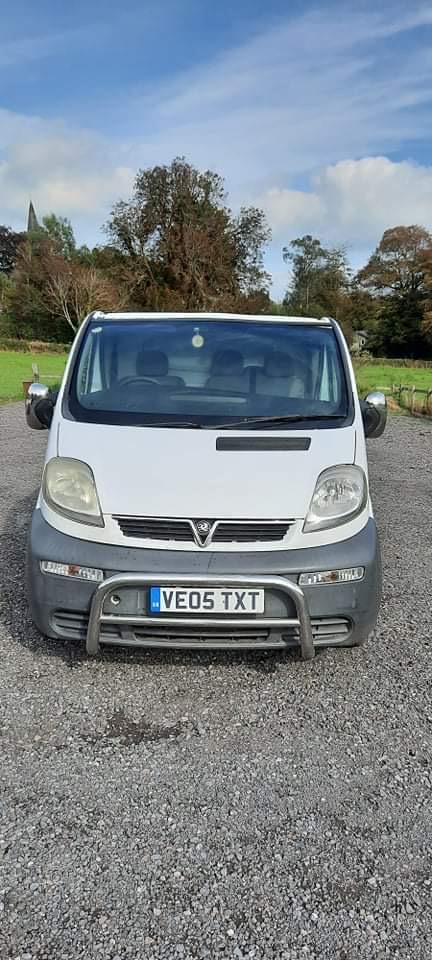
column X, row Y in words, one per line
column 340, row 495
column 69, row 488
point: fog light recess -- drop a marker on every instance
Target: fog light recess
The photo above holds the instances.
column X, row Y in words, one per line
column 73, row 570
column 330, row 577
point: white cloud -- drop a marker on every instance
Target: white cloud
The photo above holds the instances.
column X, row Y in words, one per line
column 354, row 201
column 75, row 174
column 287, row 208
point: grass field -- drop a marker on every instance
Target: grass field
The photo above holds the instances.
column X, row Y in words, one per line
column 16, row 367
column 370, row 377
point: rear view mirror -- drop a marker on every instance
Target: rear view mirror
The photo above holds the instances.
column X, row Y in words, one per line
column 374, row 413
column 39, row 406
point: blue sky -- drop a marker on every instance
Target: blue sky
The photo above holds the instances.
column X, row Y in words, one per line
column 318, row 112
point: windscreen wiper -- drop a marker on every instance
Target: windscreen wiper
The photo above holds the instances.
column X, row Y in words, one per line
column 273, row 421
column 172, row 423
column 244, row 422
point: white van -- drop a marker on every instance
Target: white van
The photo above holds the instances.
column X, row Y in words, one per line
column 206, row 485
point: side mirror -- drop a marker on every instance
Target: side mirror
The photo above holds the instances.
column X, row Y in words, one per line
column 374, row 413
column 39, row 406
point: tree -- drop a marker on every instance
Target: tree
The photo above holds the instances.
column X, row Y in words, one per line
column 5, row 290
column 60, row 231
column 426, row 324
column 179, row 244
column 26, row 304
column 397, row 277
column 307, row 257
column 361, row 308
column 320, row 281
column 397, row 267
column 51, row 295
column 250, row 234
column 9, row 246
column 74, row 290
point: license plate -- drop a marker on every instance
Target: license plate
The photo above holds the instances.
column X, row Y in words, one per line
column 206, row 600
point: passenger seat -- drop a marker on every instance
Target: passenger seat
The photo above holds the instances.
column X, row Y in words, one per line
column 228, row 372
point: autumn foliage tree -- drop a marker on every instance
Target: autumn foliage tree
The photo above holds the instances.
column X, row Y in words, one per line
column 51, row 295
column 399, row 277
column 398, row 264
column 181, row 246
column 426, row 327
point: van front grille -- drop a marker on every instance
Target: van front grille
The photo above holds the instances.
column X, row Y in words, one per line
column 148, row 528
column 189, row 531
column 252, row 532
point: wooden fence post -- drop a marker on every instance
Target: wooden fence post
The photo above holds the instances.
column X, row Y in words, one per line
column 425, row 406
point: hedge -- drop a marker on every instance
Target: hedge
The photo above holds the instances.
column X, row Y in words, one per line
column 368, row 361
column 33, row 346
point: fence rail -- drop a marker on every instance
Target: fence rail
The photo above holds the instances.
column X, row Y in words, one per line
column 413, row 398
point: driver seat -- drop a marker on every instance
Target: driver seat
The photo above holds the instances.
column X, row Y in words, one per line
column 154, row 364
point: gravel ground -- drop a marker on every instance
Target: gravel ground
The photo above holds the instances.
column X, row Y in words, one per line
column 182, row 805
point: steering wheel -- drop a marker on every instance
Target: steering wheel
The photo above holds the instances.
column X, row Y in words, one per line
column 130, row 381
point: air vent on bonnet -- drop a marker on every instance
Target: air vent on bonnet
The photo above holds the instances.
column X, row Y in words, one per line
column 263, row 443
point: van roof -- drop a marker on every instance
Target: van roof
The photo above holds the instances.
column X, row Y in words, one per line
column 133, row 315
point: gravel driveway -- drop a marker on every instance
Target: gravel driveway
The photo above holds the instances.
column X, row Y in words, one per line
column 184, row 805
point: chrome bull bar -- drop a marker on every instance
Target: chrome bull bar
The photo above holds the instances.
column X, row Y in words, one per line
column 292, row 590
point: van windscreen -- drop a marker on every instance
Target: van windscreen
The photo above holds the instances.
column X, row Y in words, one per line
column 168, row 371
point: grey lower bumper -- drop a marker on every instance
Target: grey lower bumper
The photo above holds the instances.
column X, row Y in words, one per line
column 318, row 615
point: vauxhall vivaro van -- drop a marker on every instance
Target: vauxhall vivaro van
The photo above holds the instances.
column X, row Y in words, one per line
column 206, row 485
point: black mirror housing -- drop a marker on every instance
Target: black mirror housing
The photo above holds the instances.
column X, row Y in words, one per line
column 44, row 410
column 374, row 413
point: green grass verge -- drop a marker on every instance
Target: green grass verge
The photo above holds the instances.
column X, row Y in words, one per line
column 16, row 367
column 371, row 377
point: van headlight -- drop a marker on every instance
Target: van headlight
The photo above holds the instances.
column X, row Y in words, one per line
column 340, row 495
column 68, row 487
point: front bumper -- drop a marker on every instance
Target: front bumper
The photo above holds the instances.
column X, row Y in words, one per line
column 309, row 617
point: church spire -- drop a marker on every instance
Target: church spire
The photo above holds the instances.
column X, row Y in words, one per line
column 32, row 222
